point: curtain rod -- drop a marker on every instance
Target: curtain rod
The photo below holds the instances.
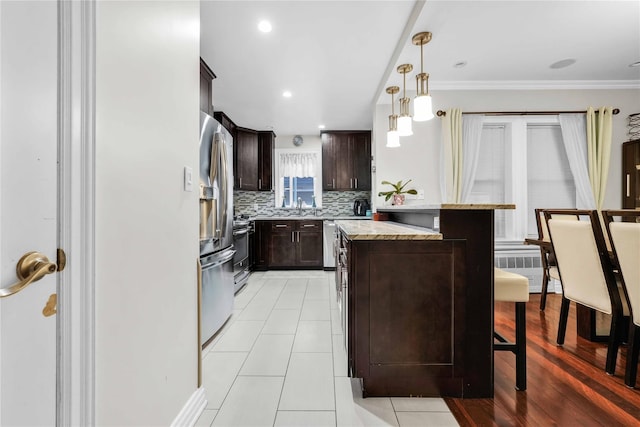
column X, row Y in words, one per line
column 441, row 113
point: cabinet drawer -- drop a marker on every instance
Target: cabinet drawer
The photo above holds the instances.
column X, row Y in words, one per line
column 309, row 225
column 282, row 225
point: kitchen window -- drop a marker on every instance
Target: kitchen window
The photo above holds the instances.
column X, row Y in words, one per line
column 298, row 177
column 522, row 160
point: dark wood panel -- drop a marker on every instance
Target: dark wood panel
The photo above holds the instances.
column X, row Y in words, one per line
column 266, row 145
column 361, row 157
column 309, row 248
column 247, row 159
column 282, row 249
column 328, row 162
column 630, row 158
column 565, row 385
column 407, row 329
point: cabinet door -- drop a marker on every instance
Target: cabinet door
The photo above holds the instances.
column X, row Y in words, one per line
column 282, row 244
column 247, row 160
column 360, row 146
column 266, row 143
column 344, row 163
column 631, row 174
column 309, row 244
column 328, row 162
column 206, row 88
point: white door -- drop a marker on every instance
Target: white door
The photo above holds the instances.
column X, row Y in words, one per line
column 28, row 208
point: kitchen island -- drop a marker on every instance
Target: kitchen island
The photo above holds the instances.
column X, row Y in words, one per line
column 420, row 303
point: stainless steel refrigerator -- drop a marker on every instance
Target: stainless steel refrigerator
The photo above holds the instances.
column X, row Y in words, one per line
column 216, row 226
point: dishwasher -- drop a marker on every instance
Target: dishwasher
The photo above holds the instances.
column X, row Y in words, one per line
column 328, row 238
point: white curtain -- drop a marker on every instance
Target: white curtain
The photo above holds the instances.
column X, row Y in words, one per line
column 297, row 165
column 574, row 136
column 451, row 156
column 599, row 131
column 471, row 137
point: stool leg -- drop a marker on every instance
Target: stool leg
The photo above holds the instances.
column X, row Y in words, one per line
column 521, row 346
column 631, row 370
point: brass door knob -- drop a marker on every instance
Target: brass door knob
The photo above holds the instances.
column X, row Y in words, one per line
column 30, row 268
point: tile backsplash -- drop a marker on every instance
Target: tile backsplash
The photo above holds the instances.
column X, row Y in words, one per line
column 262, row 203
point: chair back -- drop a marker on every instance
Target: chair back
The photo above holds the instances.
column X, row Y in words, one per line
column 625, row 239
column 543, row 230
column 585, row 269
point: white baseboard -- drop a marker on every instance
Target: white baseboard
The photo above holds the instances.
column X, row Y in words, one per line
column 191, row 410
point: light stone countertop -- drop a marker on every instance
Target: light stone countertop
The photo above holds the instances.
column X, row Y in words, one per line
column 467, row 206
column 307, row 217
column 385, row 230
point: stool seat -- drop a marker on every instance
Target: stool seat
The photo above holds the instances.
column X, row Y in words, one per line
column 513, row 287
column 509, row 286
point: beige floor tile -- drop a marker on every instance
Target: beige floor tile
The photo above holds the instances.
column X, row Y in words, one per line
column 219, row 371
column 315, row 310
column 252, row 401
column 240, row 336
column 282, row 322
column 353, row 410
column 307, row 386
column 313, row 336
column 269, row 356
column 426, row 419
column 408, row 404
column 305, row 418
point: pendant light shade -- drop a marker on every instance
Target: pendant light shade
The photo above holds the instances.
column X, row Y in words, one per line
column 422, row 108
column 393, row 138
column 404, row 120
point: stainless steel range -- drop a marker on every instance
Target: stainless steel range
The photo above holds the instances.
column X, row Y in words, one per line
column 242, row 227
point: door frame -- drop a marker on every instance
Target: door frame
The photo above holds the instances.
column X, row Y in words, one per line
column 76, row 213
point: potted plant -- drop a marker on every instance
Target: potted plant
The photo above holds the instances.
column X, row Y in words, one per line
column 397, row 193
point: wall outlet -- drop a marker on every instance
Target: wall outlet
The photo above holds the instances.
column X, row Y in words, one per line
column 187, row 179
column 420, row 195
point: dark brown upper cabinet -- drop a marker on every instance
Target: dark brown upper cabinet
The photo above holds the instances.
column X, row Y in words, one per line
column 346, row 160
column 253, row 159
column 206, row 88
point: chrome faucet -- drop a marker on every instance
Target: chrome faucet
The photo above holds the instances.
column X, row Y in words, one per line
column 299, row 205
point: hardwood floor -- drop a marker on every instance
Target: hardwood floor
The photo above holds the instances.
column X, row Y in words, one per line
column 567, row 386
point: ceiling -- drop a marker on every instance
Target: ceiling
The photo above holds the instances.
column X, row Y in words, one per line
column 337, row 57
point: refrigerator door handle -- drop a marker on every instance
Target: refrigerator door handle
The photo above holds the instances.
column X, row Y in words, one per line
column 221, row 259
column 224, row 186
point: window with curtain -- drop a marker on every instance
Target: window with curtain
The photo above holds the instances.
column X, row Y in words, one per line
column 298, row 178
column 522, row 160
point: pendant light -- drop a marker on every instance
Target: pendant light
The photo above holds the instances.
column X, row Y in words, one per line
column 422, row 106
column 393, row 138
column 404, row 120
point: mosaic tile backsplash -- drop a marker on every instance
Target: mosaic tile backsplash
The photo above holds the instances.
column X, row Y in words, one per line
column 262, row 203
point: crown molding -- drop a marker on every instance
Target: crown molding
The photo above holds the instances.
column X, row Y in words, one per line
column 534, row 84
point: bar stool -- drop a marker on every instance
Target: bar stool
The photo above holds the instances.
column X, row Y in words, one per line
column 513, row 287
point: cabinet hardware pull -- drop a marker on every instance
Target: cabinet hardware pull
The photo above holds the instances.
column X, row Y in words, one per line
column 280, row 225
column 308, row 225
column 333, row 183
column 292, row 237
column 350, row 182
column 628, row 183
column 356, row 182
column 240, row 184
column 298, row 236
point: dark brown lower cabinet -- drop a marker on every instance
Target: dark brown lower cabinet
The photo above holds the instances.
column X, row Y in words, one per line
column 406, row 317
column 289, row 244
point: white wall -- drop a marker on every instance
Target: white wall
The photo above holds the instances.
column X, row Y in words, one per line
column 418, row 158
column 311, row 142
column 147, row 118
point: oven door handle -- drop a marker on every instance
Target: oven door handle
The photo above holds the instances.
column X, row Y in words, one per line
column 240, row 232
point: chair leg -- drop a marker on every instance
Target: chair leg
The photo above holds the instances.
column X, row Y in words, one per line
column 545, row 285
column 632, row 355
column 615, row 335
column 562, row 326
column 521, row 346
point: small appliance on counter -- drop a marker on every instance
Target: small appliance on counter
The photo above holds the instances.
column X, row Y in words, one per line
column 360, row 207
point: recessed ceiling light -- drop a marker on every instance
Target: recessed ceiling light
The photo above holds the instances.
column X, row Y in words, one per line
column 562, row 63
column 635, row 64
column 264, row 26
column 286, row 94
column 460, row 64
column 320, row 126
